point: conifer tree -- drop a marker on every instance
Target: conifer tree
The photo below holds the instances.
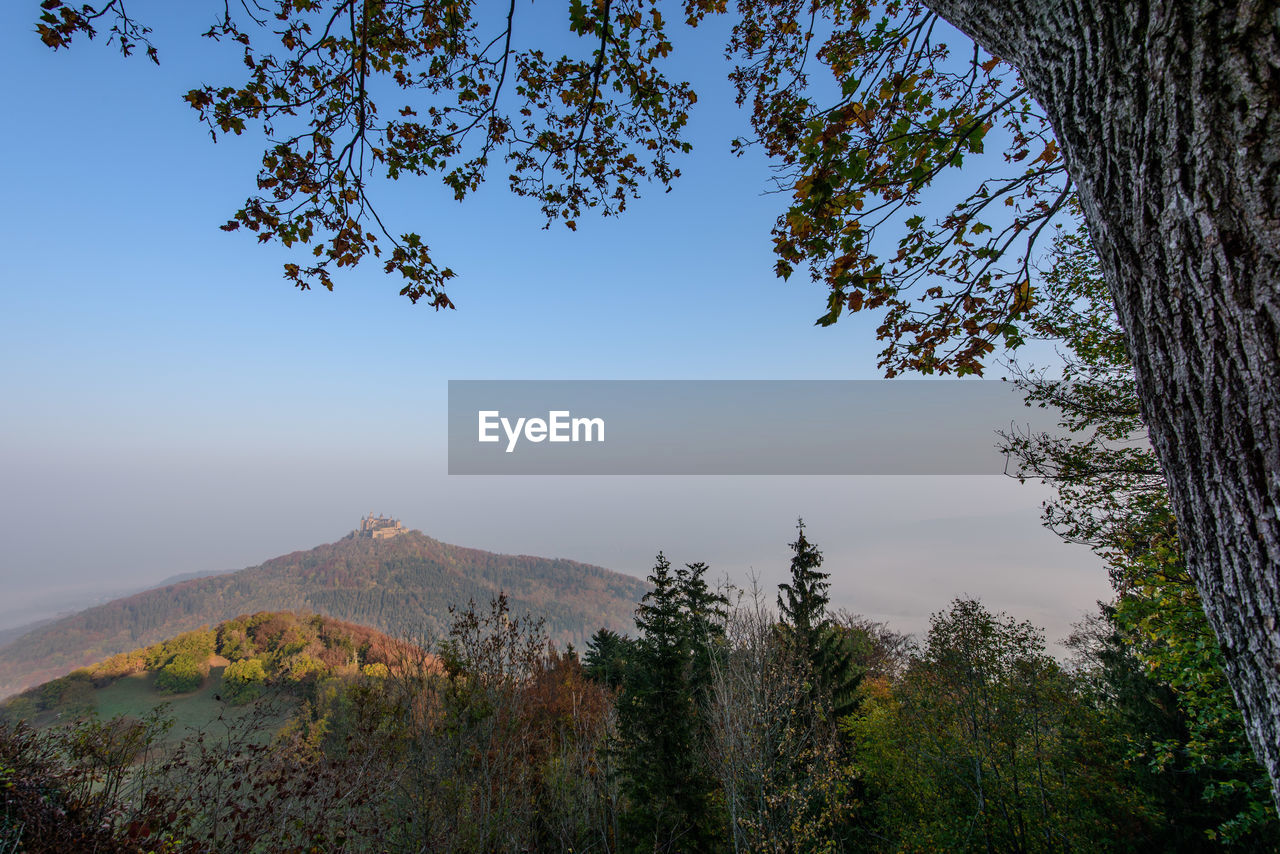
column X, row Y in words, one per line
column 814, row 639
column 703, row 612
column 606, row 657
column 669, row 792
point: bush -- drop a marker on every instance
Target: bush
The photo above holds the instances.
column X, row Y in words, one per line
column 63, row 789
column 78, row 697
column 243, row 680
column 184, row 673
column 49, row 695
column 72, row 693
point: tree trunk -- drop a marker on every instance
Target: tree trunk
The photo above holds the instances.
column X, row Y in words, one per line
column 1168, row 114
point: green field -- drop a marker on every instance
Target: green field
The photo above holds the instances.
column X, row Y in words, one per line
column 196, row 711
column 300, row 652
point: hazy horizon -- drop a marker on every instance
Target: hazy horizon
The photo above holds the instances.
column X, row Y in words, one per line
column 175, row 406
column 968, row 536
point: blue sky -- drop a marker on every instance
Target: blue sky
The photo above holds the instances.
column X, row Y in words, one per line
column 172, row 404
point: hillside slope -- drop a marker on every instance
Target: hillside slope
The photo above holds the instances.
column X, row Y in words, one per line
column 403, row 586
column 207, row 674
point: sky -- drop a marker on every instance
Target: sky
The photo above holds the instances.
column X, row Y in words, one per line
column 170, row 404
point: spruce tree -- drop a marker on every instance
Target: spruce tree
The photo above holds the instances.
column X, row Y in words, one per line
column 816, row 642
column 606, row 657
column 668, row 789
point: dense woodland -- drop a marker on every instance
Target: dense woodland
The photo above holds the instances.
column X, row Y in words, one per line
column 403, row 585
column 731, row 721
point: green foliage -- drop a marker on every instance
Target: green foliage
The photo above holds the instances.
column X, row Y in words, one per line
column 122, row 664
column 18, row 708
column 243, row 680
column 197, row 646
column 71, row 695
column 233, row 642
column 782, row 768
column 297, row 654
column 607, row 656
column 813, row 636
column 984, row 745
column 1162, row 620
column 1111, row 495
column 1202, row 794
column 182, row 674
column 301, row 667
column 670, row 797
column 978, row 741
column 181, row 663
column 68, row 789
column 77, row 697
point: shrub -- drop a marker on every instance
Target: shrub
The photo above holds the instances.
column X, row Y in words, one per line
column 243, row 680
column 184, row 673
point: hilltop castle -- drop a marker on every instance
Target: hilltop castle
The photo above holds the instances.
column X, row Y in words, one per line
column 379, row 527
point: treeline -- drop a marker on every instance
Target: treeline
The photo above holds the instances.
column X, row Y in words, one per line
column 731, row 721
column 400, row 585
column 271, row 649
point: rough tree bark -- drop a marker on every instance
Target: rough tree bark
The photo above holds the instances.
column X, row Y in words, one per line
column 1168, row 114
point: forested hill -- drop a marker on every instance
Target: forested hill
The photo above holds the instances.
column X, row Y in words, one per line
column 403, row 585
column 202, row 672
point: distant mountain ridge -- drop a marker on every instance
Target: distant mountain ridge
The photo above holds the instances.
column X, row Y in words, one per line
column 35, row 614
column 401, row 585
column 188, row 576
